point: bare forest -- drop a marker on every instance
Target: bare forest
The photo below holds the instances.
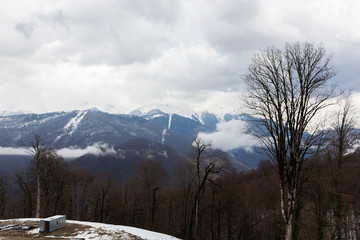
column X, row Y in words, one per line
column 229, row 205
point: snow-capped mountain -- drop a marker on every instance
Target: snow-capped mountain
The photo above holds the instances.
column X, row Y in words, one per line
column 80, row 129
column 77, row 129
column 201, row 115
column 11, row 113
column 204, row 117
column 154, row 109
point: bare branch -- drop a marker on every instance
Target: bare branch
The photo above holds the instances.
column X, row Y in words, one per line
column 286, row 91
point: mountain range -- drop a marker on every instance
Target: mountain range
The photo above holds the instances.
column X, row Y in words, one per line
column 120, row 140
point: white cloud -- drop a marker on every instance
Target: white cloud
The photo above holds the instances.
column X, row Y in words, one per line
column 96, row 149
column 13, row 151
column 183, row 68
column 61, row 55
column 231, row 135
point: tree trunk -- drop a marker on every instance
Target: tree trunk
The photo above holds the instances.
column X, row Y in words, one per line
column 170, row 212
column 194, row 223
column 194, row 219
column 287, row 209
column 153, row 208
column 38, row 200
column 288, row 230
column 219, row 220
column 212, row 217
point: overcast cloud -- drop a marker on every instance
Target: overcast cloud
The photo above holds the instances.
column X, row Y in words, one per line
column 120, row 55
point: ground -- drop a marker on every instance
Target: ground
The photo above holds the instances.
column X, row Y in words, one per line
column 76, row 230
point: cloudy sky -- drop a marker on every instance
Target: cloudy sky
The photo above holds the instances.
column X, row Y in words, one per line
column 118, row 55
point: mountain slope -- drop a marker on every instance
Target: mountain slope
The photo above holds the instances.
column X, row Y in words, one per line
column 81, row 129
column 78, row 129
column 127, row 156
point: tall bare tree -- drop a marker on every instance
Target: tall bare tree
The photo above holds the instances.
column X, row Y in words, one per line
column 102, row 197
column 286, row 90
column 185, row 181
column 23, row 180
column 48, row 167
column 343, row 136
column 152, row 176
column 37, row 152
column 208, row 164
column 3, row 193
column 53, row 178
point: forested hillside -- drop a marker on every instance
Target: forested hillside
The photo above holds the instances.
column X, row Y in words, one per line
column 232, row 205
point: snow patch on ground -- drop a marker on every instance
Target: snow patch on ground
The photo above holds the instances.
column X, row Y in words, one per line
column 145, row 234
column 97, row 231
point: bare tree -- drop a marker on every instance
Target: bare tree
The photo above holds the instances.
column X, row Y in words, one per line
column 152, row 176
column 343, row 136
column 86, row 187
column 76, row 177
column 49, row 169
column 23, row 180
column 53, row 178
column 37, row 151
column 208, row 164
column 185, row 181
column 286, row 90
column 102, row 197
column 3, row 193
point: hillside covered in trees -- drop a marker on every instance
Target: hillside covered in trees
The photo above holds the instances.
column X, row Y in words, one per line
column 232, row 205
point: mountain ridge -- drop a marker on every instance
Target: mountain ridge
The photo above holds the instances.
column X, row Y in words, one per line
column 83, row 128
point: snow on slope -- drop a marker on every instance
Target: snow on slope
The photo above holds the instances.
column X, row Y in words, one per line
column 163, row 136
column 72, row 125
column 74, row 122
column 164, row 131
column 14, row 122
column 92, row 231
column 170, row 118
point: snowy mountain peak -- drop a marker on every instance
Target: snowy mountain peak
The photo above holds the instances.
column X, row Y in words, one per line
column 220, row 113
column 170, row 109
column 94, row 109
column 153, row 113
column 11, row 113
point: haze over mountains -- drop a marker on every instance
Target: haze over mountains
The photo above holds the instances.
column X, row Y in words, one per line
column 117, row 142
